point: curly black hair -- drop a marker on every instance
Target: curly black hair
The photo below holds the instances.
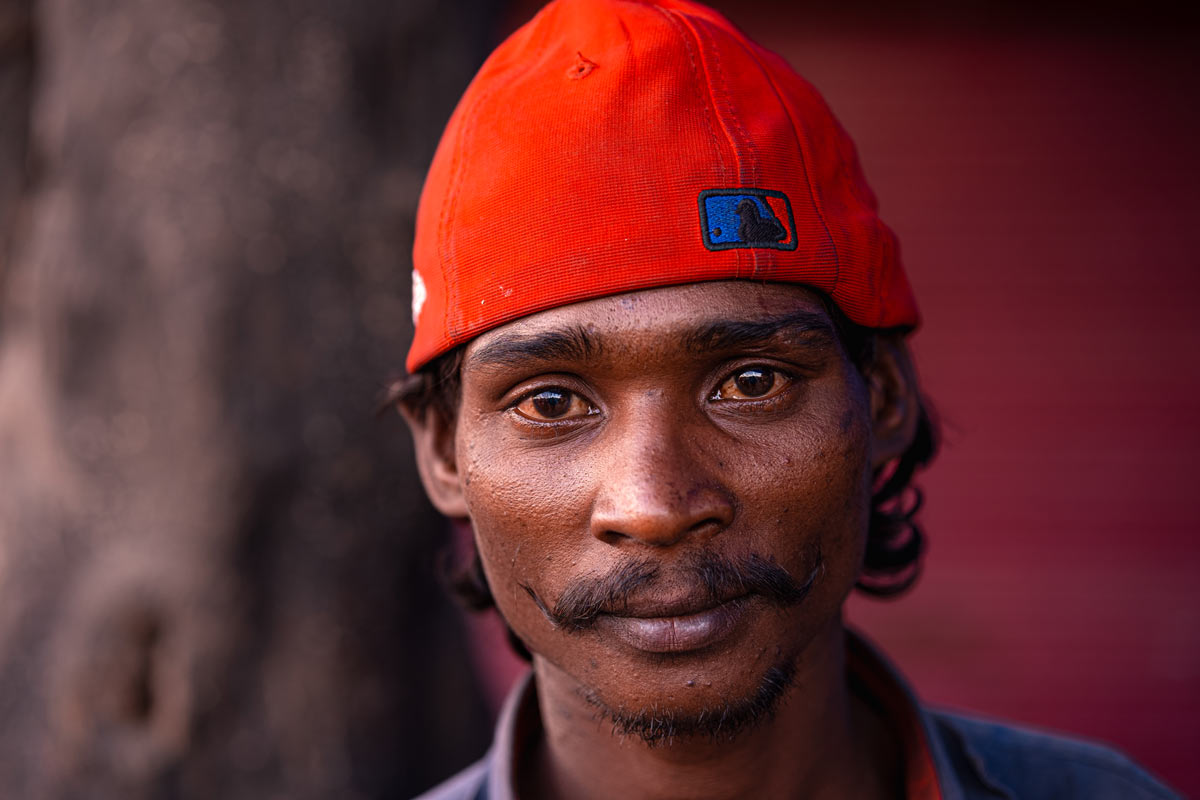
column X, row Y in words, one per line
column 895, row 541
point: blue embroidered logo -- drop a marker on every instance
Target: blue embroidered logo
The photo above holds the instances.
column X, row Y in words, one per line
column 732, row 218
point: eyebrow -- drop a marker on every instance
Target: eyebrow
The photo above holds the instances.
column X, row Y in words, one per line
column 734, row 334
column 574, row 344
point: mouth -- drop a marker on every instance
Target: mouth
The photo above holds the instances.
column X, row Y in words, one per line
column 676, row 627
column 656, row 612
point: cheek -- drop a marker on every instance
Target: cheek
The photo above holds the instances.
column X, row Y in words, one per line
column 529, row 516
column 844, row 463
column 819, row 488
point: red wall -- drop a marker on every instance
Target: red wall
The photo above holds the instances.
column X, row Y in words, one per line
column 1043, row 186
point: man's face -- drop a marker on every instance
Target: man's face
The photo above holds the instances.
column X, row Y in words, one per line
column 669, row 489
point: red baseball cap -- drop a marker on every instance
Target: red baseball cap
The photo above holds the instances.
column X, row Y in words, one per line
column 615, row 145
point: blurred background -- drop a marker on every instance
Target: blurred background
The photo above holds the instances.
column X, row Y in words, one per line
column 217, row 570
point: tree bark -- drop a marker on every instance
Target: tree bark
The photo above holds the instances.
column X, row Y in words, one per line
column 16, row 74
column 215, row 562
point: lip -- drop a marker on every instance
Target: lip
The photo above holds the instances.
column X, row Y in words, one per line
column 677, row 630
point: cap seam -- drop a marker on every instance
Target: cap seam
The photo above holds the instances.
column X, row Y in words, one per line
column 744, row 149
column 671, row 17
column 738, row 131
column 700, row 70
column 818, row 207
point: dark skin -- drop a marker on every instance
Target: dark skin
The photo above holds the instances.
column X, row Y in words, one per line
column 716, row 420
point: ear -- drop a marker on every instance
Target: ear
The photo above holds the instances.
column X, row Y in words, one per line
column 433, row 440
column 892, row 381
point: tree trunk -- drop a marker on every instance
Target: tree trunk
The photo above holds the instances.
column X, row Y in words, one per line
column 215, row 562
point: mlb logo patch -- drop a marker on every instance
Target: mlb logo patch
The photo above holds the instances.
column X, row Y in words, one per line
column 733, row 218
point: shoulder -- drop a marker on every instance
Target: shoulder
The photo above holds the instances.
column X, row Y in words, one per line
column 463, row 786
column 1022, row 762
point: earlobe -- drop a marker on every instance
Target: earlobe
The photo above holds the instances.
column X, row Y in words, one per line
column 895, row 407
column 433, row 441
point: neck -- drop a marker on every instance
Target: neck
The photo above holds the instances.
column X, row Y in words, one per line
column 821, row 742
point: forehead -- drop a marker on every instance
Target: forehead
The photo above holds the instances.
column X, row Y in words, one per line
column 662, row 319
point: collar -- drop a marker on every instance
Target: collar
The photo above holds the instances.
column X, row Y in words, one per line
column 876, row 679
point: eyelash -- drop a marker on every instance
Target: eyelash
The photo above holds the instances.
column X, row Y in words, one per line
column 572, row 395
column 780, row 381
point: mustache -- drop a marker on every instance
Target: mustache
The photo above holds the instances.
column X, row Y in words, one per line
column 722, row 578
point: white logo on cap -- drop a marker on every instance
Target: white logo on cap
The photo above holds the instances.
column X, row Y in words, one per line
column 418, row 295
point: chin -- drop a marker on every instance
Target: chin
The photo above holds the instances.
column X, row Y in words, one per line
column 704, row 711
column 712, row 694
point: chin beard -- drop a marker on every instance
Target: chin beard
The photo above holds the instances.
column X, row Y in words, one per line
column 720, row 723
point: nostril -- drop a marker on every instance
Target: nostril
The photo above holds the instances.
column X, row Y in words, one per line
column 662, row 519
column 713, row 523
column 609, row 536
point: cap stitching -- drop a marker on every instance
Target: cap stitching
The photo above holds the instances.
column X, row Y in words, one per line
column 748, row 158
column 808, row 177
column 739, row 131
column 692, row 45
column 691, row 53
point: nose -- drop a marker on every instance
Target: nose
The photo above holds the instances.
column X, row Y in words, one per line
column 657, row 490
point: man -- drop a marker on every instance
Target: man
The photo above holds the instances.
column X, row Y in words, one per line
column 660, row 364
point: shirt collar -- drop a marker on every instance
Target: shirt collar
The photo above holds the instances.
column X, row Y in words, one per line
column 927, row 772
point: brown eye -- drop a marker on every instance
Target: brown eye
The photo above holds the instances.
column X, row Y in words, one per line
column 552, row 404
column 753, row 383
